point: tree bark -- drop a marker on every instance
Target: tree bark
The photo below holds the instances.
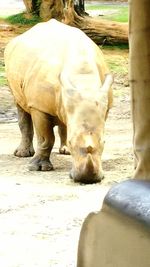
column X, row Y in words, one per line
column 99, row 30
column 79, row 7
column 51, row 9
column 45, row 9
column 72, row 12
column 28, row 5
column 140, row 84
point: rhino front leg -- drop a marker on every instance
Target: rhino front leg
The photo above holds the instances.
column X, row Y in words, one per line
column 62, row 130
column 25, row 149
column 45, row 142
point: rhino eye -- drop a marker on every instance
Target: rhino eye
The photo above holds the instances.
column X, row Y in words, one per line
column 82, row 150
column 69, row 142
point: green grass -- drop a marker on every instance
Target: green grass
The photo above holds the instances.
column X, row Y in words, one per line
column 2, row 68
column 117, row 58
column 22, row 19
column 116, row 47
column 3, row 80
column 117, row 13
column 117, row 67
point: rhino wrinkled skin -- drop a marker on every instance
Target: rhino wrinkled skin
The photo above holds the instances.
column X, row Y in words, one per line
column 58, row 76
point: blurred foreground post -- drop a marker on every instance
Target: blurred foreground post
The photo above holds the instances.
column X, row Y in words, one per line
column 119, row 235
column 139, row 39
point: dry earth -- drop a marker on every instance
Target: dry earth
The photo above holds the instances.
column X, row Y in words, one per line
column 41, row 213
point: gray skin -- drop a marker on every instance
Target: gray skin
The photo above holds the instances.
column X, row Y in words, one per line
column 25, row 149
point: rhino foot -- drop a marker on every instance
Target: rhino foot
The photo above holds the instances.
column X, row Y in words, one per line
column 38, row 164
column 64, row 150
column 24, row 152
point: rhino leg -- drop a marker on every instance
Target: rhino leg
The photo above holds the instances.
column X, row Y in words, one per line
column 45, row 141
column 62, row 130
column 25, row 149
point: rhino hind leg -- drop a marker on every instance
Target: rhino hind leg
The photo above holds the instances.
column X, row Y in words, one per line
column 62, row 130
column 25, row 149
column 45, row 141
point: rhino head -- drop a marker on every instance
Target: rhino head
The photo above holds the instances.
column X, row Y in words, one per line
column 86, row 149
column 85, row 132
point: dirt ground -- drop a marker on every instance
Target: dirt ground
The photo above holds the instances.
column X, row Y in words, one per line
column 41, row 213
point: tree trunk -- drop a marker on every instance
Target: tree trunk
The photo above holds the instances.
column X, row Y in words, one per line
column 28, row 5
column 72, row 12
column 140, row 84
column 51, row 9
column 99, row 30
column 45, row 9
column 79, row 7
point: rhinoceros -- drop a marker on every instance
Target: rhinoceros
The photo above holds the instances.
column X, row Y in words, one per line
column 58, row 76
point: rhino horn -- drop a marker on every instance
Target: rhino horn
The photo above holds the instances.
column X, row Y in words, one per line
column 107, row 83
column 89, row 165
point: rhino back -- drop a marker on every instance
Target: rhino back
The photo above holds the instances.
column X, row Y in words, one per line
column 36, row 59
column 33, row 62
